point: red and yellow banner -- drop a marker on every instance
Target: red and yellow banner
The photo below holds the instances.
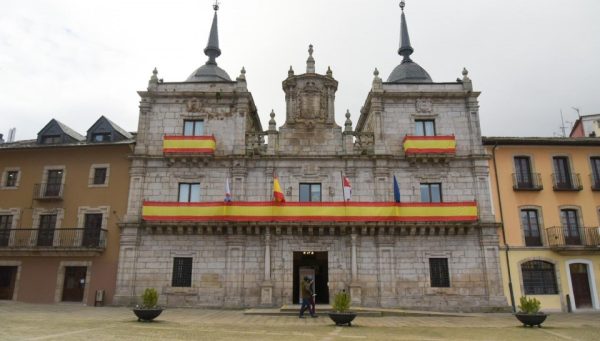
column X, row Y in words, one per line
column 189, row 144
column 301, row 211
column 429, row 144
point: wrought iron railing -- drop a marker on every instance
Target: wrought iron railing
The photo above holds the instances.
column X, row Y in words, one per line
column 48, row 191
column 527, row 182
column 567, row 183
column 562, row 236
column 70, row 238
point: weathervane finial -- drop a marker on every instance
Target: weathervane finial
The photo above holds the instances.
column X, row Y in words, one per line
column 402, row 4
column 216, row 5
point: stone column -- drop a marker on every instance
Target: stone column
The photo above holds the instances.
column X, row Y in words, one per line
column 355, row 287
column 266, row 288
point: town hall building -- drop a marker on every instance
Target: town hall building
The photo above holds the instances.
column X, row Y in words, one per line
column 431, row 244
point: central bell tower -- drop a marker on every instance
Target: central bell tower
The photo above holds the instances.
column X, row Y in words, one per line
column 310, row 126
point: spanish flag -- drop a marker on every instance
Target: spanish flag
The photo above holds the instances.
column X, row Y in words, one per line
column 277, row 192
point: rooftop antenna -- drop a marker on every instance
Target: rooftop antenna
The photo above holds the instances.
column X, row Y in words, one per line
column 12, row 132
column 576, row 109
column 563, row 127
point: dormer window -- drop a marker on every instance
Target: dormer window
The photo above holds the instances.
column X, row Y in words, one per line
column 51, row 139
column 101, row 137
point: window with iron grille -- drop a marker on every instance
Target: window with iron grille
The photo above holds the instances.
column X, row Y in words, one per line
column 531, row 227
column 438, row 272
column 99, row 176
column 539, row 278
column 182, row 272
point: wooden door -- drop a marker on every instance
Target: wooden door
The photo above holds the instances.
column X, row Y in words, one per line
column 74, row 285
column 8, row 275
column 581, row 285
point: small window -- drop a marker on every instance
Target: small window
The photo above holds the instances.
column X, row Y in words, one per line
column 11, row 178
column 51, row 139
column 193, row 128
column 595, row 161
column 310, row 192
column 531, row 227
column 101, row 137
column 189, row 192
column 431, row 192
column 539, row 278
column 438, row 272
column 182, row 272
column 99, row 176
column 425, row 127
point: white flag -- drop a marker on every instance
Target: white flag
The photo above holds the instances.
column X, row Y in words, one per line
column 227, row 191
column 347, row 188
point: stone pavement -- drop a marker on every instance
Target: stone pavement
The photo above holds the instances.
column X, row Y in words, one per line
column 21, row 321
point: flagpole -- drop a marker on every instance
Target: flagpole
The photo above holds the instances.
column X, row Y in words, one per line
column 343, row 192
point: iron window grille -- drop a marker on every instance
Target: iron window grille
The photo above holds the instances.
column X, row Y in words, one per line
column 539, row 278
column 438, row 272
column 182, row 272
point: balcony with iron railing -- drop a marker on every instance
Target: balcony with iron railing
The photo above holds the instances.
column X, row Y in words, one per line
column 595, row 180
column 572, row 182
column 562, row 238
column 527, row 182
column 63, row 239
column 48, row 191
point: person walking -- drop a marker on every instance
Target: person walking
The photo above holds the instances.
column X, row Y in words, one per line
column 306, row 297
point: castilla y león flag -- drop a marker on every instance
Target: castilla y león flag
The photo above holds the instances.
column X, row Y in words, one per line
column 277, row 192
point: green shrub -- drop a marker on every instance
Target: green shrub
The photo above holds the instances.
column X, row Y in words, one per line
column 341, row 302
column 149, row 298
column 529, row 305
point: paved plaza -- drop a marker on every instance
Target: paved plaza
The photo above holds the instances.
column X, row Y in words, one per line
column 20, row 321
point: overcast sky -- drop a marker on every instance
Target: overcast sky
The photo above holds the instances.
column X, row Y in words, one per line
column 76, row 60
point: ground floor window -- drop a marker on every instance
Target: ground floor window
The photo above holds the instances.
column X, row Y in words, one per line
column 539, row 278
column 182, row 272
column 438, row 272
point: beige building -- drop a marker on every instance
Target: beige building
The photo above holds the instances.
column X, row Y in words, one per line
column 61, row 197
column 547, row 197
column 432, row 244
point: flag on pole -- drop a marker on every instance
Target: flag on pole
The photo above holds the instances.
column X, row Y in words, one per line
column 396, row 190
column 277, row 192
column 227, row 191
column 347, row 188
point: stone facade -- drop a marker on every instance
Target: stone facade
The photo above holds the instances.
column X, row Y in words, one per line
column 245, row 264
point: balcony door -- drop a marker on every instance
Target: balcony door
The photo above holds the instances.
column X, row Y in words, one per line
column 562, row 172
column 523, row 172
column 8, row 275
column 53, row 183
column 91, row 230
column 570, row 225
column 581, row 285
column 46, row 230
column 5, row 226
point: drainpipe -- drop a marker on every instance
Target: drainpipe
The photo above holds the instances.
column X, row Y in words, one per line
column 506, row 247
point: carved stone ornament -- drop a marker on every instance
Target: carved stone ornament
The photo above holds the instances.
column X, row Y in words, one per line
column 424, row 105
column 194, row 105
column 312, row 106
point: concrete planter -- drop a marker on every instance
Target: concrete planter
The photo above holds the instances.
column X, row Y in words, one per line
column 147, row 314
column 342, row 318
column 531, row 319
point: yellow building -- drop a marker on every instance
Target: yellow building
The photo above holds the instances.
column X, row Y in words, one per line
column 546, row 194
column 61, row 198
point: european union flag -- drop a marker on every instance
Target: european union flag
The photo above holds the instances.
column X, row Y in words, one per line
column 396, row 190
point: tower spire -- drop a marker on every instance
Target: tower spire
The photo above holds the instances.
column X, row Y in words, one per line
column 212, row 49
column 405, row 49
